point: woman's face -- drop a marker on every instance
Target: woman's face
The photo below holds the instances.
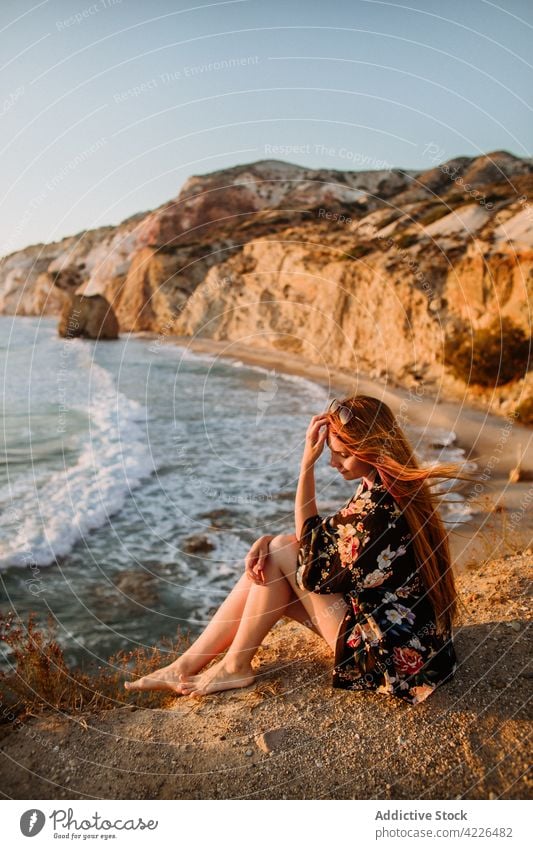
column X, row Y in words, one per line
column 346, row 464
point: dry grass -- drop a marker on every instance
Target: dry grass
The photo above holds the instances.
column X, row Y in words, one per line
column 40, row 679
column 500, row 536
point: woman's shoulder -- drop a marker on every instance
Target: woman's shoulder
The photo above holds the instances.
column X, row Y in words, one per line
column 380, row 495
column 366, row 501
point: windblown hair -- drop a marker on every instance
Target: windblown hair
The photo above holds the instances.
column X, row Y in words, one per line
column 373, row 435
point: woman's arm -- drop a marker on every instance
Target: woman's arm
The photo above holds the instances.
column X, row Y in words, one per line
column 305, row 504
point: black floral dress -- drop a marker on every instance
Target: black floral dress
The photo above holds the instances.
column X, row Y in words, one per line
column 388, row 640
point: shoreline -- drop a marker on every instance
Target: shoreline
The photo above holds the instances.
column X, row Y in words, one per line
column 492, row 442
column 291, row 735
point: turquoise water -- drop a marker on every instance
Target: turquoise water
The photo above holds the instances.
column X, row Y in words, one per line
column 118, row 456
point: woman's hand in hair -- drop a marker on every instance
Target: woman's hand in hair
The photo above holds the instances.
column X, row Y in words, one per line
column 315, row 439
column 255, row 560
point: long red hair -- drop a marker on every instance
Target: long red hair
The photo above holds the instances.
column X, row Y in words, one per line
column 373, row 435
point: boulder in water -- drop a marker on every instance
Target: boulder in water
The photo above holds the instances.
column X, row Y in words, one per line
column 197, row 544
column 90, row 316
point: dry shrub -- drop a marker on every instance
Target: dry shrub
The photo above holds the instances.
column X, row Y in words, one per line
column 40, row 679
column 524, row 410
column 488, row 356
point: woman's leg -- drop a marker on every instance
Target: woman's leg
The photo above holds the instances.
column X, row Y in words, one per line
column 216, row 638
column 264, row 605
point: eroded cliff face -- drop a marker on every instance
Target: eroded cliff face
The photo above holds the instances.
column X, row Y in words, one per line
column 376, row 291
column 350, row 269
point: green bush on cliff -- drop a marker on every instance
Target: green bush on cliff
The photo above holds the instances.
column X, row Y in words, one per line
column 488, row 356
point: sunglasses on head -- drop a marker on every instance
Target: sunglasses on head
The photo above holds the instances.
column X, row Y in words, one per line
column 345, row 414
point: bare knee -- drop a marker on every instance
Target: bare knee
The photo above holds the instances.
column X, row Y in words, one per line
column 282, row 542
column 284, row 537
column 283, row 549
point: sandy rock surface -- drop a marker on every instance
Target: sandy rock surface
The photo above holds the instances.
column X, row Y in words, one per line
column 290, row 735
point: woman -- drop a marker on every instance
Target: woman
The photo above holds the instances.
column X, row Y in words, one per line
column 374, row 580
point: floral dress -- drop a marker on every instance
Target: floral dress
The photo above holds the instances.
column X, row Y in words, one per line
column 388, row 640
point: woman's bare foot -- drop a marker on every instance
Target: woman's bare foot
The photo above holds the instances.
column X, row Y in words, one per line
column 165, row 678
column 218, row 677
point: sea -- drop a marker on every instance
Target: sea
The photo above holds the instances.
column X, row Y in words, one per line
column 135, row 475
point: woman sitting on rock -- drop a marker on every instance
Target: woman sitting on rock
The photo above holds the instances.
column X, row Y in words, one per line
column 374, row 580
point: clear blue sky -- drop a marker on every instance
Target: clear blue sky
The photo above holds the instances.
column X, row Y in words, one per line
column 108, row 106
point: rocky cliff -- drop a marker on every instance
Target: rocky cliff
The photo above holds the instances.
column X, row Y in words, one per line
column 355, row 270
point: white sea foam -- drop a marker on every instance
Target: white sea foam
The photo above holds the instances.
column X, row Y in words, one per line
column 188, row 355
column 45, row 513
column 44, row 517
